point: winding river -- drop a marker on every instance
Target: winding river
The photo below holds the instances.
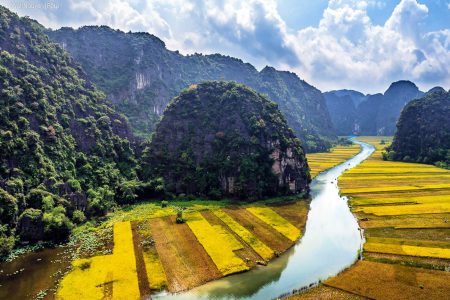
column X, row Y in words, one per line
column 330, row 244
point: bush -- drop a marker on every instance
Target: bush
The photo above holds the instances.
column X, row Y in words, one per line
column 78, row 217
column 127, row 191
column 344, row 142
column 407, row 158
column 35, row 198
column 8, row 207
column 6, row 245
column 180, row 218
column 74, row 185
column 31, row 226
column 99, row 201
column 57, row 227
column 389, row 155
column 164, row 203
column 442, row 164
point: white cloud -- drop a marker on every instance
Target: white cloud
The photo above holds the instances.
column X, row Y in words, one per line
column 345, row 50
column 348, row 50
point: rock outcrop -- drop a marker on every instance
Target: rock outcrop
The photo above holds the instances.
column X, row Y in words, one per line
column 223, row 139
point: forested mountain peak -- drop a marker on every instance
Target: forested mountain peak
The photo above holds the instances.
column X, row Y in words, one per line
column 140, row 76
column 223, row 139
column 423, row 131
column 436, row 89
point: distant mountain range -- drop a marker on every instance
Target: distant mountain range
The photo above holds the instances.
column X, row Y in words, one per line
column 140, row 76
column 355, row 113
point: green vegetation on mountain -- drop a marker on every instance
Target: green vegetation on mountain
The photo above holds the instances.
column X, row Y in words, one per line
column 140, row 76
column 423, row 131
column 223, row 139
column 65, row 154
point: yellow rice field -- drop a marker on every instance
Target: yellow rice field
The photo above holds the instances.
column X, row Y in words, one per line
column 279, row 223
column 155, row 272
column 265, row 252
column 211, row 244
column 413, row 209
column 319, row 162
column 407, row 250
column 218, row 243
column 404, row 211
column 88, row 278
column 399, row 195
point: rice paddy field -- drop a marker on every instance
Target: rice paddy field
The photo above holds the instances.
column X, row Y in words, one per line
column 150, row 252
column 319, row 162
column 404, row 209
column 157, row 253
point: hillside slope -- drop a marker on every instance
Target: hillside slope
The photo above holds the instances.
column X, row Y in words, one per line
column 140, row 76
column 423, row 130
column 58, row 138
column 222, row 139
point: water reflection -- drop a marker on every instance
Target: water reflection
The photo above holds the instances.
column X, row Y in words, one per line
column 330, row 244
column 33, row 273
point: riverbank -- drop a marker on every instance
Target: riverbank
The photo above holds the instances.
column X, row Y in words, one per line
column 251, row 235
column 404, row 211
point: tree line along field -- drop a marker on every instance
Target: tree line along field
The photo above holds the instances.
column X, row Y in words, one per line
column 151, row 252
column 404, row 209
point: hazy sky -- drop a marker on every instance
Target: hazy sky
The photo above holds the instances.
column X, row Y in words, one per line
column 363, row 45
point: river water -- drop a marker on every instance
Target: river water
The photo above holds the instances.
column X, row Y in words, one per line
column 330, row 244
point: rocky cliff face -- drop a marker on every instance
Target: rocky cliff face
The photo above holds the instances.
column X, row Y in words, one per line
column 423, row 130
column 140, row 76
column 394, row 99
column 371, row 114
column 343, row 113
column 223, row 139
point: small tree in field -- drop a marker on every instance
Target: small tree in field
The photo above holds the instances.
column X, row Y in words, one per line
column 180, row 211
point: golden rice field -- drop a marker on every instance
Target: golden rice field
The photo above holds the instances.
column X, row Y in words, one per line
column 218, row 243
column 270, row 217
column 319, row 162
column 399, row 195
column 264, row 251
column 157, row 253
column 94, row 277
column 405, row 211
column 372, row 280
